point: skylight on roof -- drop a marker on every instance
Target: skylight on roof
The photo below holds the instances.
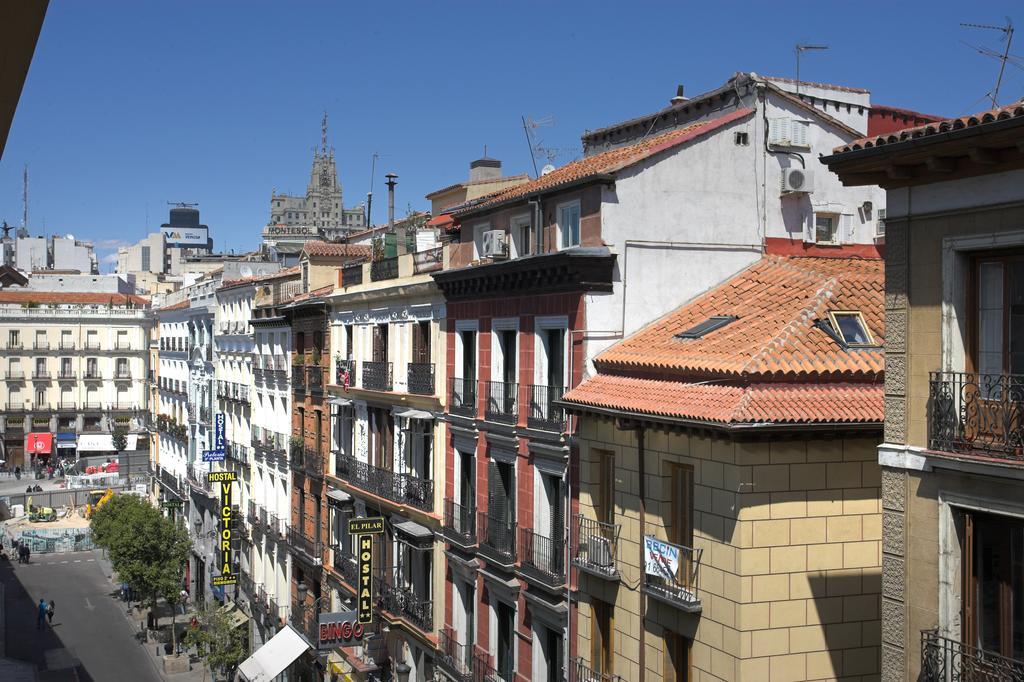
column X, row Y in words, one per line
column 851, row 327
column 706, row 327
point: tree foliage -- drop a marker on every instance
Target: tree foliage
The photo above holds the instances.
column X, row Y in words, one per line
column 120, row 440
column 223, row 645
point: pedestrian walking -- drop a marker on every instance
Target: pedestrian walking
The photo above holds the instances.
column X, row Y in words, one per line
column 28, row 554
column 49, row 612
column 41, row 615
column 183, row 598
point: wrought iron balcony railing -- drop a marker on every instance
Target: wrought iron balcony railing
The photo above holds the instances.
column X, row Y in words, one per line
column 542, row 413
column 345, row 372
column 401, row 600
column 501, row 401
column 594, row 547
column 66, row 375
column 462, row 396
column 345, row 564
column 497, row 535
column 397, row 487
column 676, row 584
column 41, row 345
column 67, row 345
column 298, row 378
column 315, row 379
column 947, row 660
column 542, row 558
column 66, row 407
column 385, row 268
column 459, row 523
column 41, row 375
column 301, row 545
column 312, row 462
column 376, row 376
column 580, row 671
column 14, row 375
column 421, row 378
column 981, row 414
column 456, row 658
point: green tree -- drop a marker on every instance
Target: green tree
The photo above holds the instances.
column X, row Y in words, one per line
column 120, row 439
column 147, row 549
column 218, row 641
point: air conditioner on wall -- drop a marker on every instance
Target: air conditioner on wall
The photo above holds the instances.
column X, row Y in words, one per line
column 494, row 245
column 599, row 551
column 797, row 180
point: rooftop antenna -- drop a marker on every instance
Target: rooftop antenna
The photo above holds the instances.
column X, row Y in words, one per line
column 530, row 125
column 24, row 197
column 1007, row 32
column 369, row 195
column 800, row 49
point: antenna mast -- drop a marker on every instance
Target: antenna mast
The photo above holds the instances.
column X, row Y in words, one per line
column 529, row 143
column 1008, row 37
column 24, row 197
column 369, row 195
column 800, row 49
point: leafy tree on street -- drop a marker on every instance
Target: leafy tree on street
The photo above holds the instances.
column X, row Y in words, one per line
column 120, row 440
column 217, row 639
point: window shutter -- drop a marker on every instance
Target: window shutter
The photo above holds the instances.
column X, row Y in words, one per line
column 809, row 232
column 493, row 500
column 799, row 133
column 846, row 227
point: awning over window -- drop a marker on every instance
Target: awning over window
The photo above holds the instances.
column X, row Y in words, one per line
column 338, row 496
column 271, row 659
column 340, row 402
column 67, row 436
column 412, row 413
column 39, row 443
column 418, row 535
column 104, row 442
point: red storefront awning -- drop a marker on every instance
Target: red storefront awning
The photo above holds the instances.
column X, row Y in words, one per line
column 443, row 220
column 39, row 443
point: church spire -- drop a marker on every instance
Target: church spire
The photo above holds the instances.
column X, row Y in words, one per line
column 323, row 133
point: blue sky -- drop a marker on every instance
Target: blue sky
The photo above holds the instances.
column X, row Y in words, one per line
column 129, row 105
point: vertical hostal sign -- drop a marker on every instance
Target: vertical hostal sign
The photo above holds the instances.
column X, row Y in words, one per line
column 364, row 529
column 224, row 479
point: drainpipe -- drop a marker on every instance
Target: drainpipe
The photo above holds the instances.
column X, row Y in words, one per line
column 538, row 225
column 643, row 533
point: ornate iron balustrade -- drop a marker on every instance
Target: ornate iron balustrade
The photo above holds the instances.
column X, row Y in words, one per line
column 376, row 376
column 315, row 379
column 542, row 558
column 14, row 375
column 483, row 671
column 497, row 537
column 402, row 600
column 312, row 462
column 301, row 545
column 298, row 378
column 501, row 402
column 345, row 564
column 579, row 671
column 542, row 413
column 168, row 480
column 947, row 660
column 343, row 368
column 421, row 378
column 385, row 268
column 459, row 523
column 977, row 414
column 397, row 487
column 197, row 479
column 595, row 547
column 456, row 658
column 677, row 584
column 462, row 396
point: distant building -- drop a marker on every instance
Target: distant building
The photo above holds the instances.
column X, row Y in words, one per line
column 147, row 255
column 68, row 253
column 31, row 254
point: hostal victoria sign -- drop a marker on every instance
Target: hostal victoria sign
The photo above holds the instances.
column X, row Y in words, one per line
column 224, row 479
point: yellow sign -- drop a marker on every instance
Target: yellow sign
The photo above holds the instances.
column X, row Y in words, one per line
column 221, row 580
column 371, row 524
column 221, row 476
column 364, row 600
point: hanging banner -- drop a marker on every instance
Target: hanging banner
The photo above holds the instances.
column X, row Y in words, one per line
column 218, row 432
column 661, row 558
column 227, row 576
column 364, row 601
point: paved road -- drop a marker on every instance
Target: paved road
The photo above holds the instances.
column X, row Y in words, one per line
column 88, row 626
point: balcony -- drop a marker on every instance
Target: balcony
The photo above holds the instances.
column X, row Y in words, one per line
column 66, row 375
column 40, row 375
column 677, row 583
column 311, row 462
column 15, row 345
column 421, row 378
column 306, row 548
column 376, row 376
column 977, row 414
column 94, row 406
column 41, row 345
column 462, row 396
column 345, row 373
column 15, row 407
column 315, row 379
column 595, row 547
column 542, row 413
column 67, row 345
column 94, row 375
column 14, row 375
column 91, row 345
column 345, row 564
column 455, row 658
column 401, row 600
column 497, row 536
column 542, row 559
column 385, row 268
column 947, row 660
column 404, row 489
column 123, row 407
column 579, row 671
column 197, row 479
column 352, row 275
column 67, row 407
column 122, row 375
column 123, row 345
column 459, row 524
column 501, row 401
column 299, row 378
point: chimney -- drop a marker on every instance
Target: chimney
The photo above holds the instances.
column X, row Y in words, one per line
column 679, row 98
column 484, row 169
column 392, row 180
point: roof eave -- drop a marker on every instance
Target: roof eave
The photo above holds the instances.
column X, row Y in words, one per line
column 596, row 178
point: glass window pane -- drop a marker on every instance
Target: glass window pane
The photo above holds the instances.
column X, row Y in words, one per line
column 990, row 318
column 852, row 329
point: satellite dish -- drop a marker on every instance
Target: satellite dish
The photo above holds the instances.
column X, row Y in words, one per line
column 245, row 271
column 547, row 169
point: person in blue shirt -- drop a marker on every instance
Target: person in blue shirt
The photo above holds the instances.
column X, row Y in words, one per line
column 41, row 616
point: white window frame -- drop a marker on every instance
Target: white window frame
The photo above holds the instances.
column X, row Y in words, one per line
column 559, row 209
column 466, row 326
column 518, row 227
column 478, row 239
column 499, row 325
column 835, row 218
column 541, row 325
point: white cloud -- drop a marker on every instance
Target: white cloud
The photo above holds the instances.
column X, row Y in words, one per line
column 109, row 258
column 111, row 243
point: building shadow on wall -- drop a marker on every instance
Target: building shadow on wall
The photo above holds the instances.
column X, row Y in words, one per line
column 847, row 604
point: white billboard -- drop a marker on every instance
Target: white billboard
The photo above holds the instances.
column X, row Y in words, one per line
column 186, row 236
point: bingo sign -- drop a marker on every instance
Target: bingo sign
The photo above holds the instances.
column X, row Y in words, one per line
column 224, row 479
column 338, row 629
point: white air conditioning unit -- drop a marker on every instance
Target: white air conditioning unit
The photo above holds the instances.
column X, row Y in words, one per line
column 494, row 245
column 599, row 551
column 797, row 180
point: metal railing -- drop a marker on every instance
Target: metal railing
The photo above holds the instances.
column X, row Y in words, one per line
column 315, row 379
column 67, row 345
column 345, row 564
column 977, row 414
column 352, row 275
column 429, row 260
column 343, row 367
column 385, row 268
column 497, row 536
column 122, row 375
column 41, row 345
column 542, row 413
column 397, row 487
column 93, row 345
column 312, row 462
column 309, row 547
column 455, row 657
column 579, row 671
column 462, row 396
column 595, row 546
column 421, row 378
column 67, row 375
column 376, row 376
column 14, row 375
column 41, row 374
column 542, row 557
column 67, row 407
column 501, row 402
column 298, row 377
column 459, row 522
column 402, row 600
column 96, row 376
column 676, row 582
column 947, row 660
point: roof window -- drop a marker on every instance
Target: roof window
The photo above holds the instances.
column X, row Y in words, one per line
column 850, row 327
column 707, row 326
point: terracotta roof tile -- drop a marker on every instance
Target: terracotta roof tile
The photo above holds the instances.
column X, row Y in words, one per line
column 70, row 297
column 280, row 274
column 1015, row 110
column 180, row 305
column 320, row 249
column 605, row 162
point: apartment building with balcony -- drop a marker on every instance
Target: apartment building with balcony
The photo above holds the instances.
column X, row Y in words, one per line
column 72, row 364
column 953, row 522
column 729, row 524
column 266, row 565
column 387, row 387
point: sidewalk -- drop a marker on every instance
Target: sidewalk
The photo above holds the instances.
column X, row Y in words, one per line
column 137, row 617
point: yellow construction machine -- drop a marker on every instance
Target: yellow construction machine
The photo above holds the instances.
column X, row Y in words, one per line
column 97, row 498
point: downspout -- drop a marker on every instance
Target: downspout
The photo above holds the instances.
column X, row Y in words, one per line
column 538, row 217
column 643, row 533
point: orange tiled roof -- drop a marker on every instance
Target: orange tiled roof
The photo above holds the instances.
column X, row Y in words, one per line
column 1014, row 110
column 180, row 305
column 606, row 162
column 280, row 274
column 731, row 404
column 70, row 297
column 320, row 249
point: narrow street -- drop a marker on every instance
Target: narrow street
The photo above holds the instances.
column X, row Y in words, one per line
column 90, row 634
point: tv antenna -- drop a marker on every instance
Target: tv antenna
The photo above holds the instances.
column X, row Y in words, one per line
column 183, row 204
column 530, row 126
column 1003, row 58
column 369, row 195
column 800, row 49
